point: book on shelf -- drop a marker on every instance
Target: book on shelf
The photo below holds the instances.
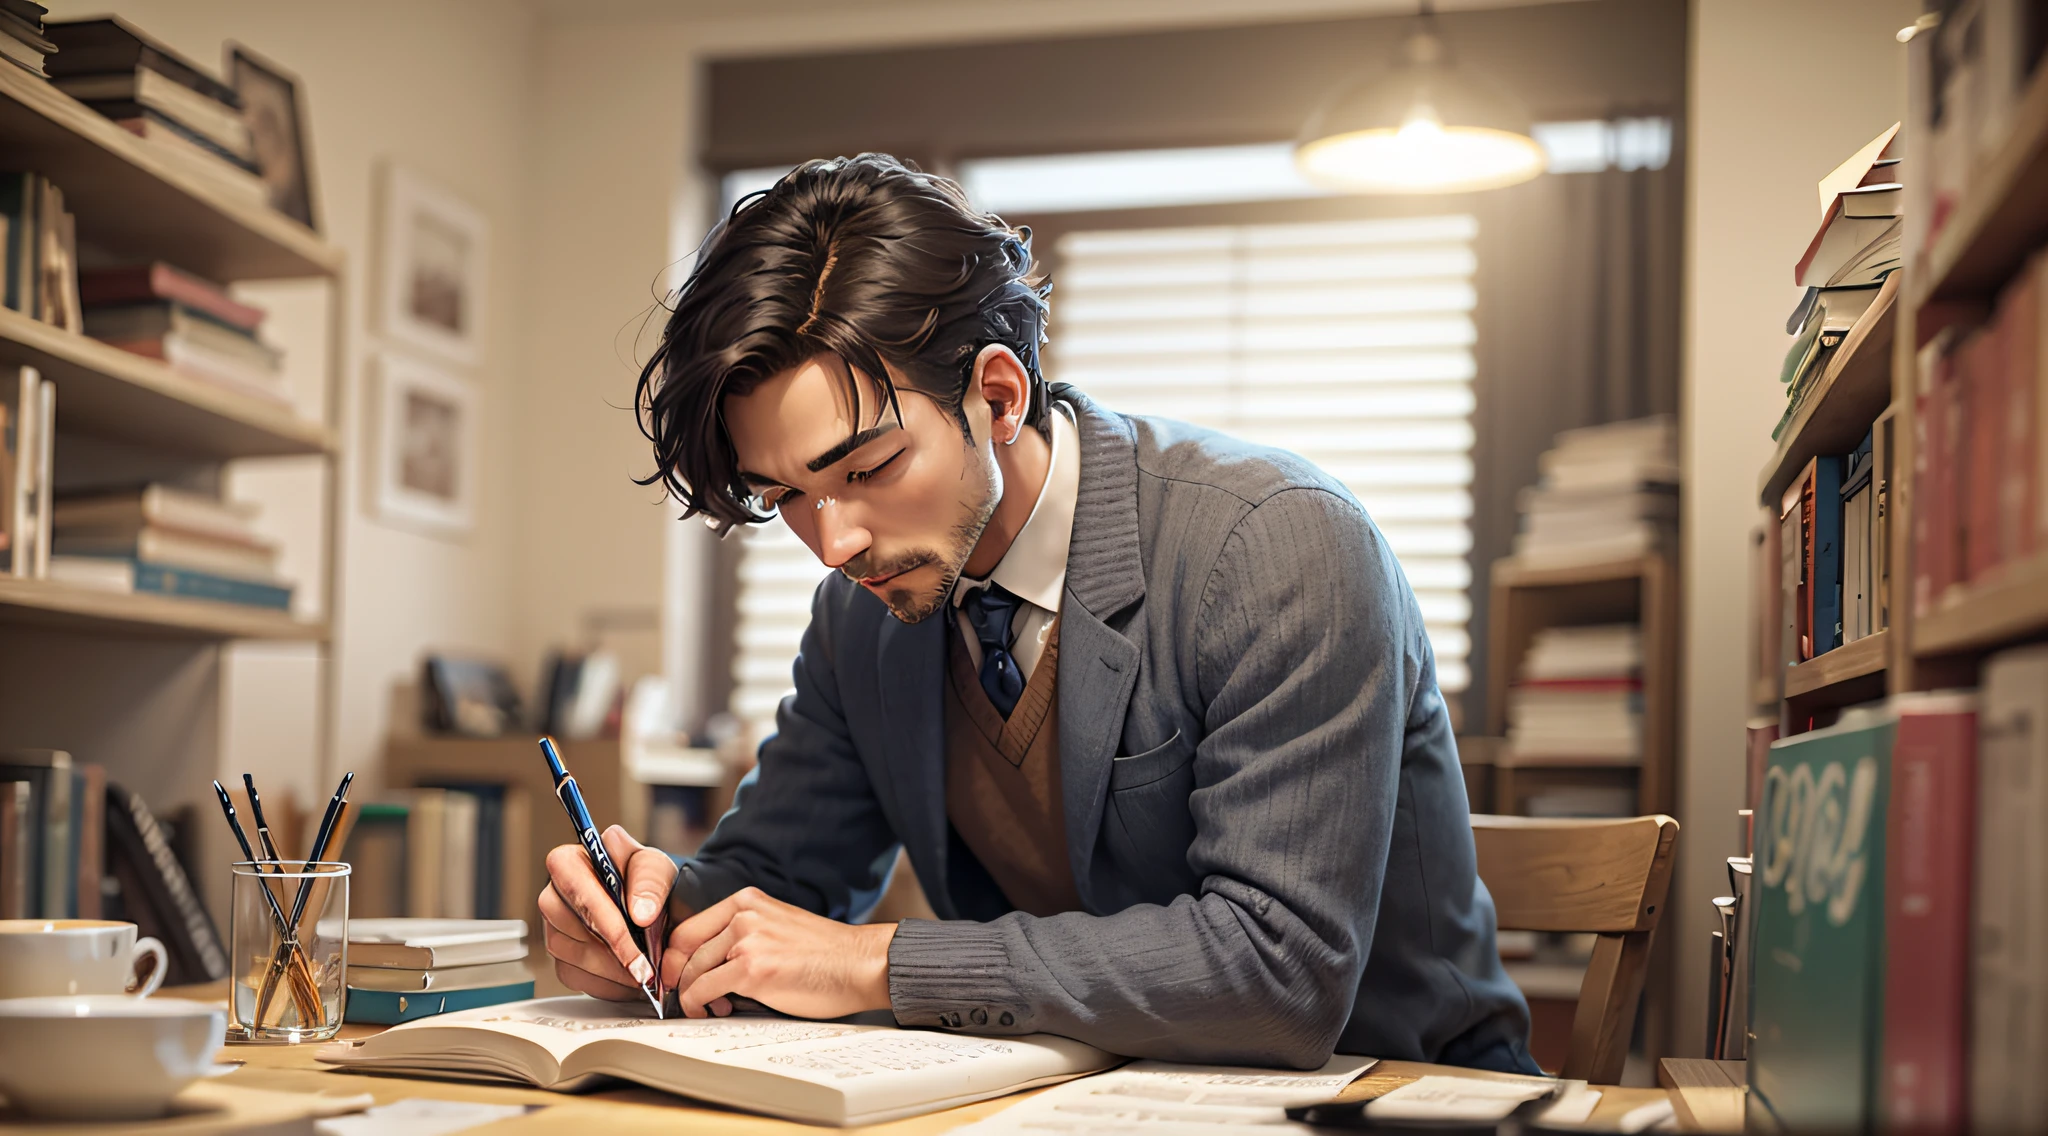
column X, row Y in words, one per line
column 1578, row 698
column 111, row 45
column 839, row 1073
column 41, row 250
column 2009, row 969
column 172, row 548
column 1858, row 494
column 1818, row 984
column 155, row 894
column 236, row 370
column 128, row 94
column 17, row 848
column 1978, row 464
column 1607, row 492
column 197, row 157
column 59, row 852
column 157, row 504
column 1929, row 838
column 1965, row 78
column 22, row 40
column 28, row 415
column 1874, row 164
column 115, row 574
column 1813, row 524
column 157, row 281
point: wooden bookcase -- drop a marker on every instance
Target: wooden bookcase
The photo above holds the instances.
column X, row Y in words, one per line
column 1998, row 223
column 135, row 682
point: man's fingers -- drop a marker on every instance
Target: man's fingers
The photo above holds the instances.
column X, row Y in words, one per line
column 680, row 969
column 649, row 876
column 575, row 882
column 727, row 978
column 585, row 982
column 706, row 925
column 558, row 916
column 592, row 958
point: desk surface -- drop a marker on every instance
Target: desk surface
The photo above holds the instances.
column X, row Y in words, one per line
column 627, row 1110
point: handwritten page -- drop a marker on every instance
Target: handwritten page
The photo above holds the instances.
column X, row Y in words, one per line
column 1160, row 1097
column 1458, row 1098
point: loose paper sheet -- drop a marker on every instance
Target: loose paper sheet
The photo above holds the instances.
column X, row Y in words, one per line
column 1458, row 1098
column 1160, row 1097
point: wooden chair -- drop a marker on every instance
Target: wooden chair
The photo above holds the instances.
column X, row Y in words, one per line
column 1607, row 877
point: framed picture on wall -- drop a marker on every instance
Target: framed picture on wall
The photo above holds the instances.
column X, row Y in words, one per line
column 424, row 467
column 435, row 249
column 277, row 127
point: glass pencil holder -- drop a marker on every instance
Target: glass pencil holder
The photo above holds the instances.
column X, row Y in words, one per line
column 289, row 975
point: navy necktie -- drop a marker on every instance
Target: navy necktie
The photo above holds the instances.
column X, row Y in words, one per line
column 990, row 611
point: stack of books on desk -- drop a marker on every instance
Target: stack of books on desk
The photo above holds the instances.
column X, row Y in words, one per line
column 1579, row 700
column 192, row 324
column 187, row 116
column 402, row 969
column 1607, row 492
column 169, row 541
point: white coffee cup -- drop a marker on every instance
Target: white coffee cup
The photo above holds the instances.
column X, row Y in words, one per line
column 105, row 1056
column 75, row 956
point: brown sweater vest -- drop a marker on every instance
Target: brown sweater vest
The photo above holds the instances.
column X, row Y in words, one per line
column 1003, row 781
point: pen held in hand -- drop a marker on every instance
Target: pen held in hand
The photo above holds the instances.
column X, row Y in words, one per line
column 608, row 873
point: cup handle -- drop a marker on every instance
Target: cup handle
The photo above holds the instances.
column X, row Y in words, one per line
column 147, row 945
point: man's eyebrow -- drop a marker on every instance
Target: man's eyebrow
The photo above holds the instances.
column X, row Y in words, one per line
column 836, row 453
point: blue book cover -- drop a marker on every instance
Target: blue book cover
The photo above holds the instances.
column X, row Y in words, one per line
column 168, row 581
column 388, row 1008
column 1827, row 554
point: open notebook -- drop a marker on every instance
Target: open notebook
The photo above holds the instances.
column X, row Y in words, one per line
column 820, row 1072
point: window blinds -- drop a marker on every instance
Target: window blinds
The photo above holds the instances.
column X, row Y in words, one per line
column 1349, row 343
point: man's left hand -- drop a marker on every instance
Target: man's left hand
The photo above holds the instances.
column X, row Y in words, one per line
column 780, row 956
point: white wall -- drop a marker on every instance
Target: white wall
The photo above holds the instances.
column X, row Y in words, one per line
column 1782, row 91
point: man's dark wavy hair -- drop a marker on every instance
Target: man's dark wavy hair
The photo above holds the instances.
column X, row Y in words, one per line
column 867, row 259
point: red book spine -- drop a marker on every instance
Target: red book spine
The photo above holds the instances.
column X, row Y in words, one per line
column 2020, row 477
column 141, row 283
column 1932, row 534
column 1930, row 838
column 1982, row 466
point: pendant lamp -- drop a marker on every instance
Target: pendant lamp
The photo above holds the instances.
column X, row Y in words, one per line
column 1420, row 126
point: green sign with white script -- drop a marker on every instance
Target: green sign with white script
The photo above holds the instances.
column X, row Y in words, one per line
column 1816, row 1001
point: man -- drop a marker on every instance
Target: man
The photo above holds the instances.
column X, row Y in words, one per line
column 1151, row 709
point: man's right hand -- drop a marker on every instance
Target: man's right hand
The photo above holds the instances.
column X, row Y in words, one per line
column 586, row 936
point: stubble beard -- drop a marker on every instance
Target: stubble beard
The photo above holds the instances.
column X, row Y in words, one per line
column 914, row 605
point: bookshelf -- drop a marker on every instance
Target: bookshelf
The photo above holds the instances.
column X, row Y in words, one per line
column 1526, row 600
column 1998, row 222
column 1852, row 392
column 138, row 683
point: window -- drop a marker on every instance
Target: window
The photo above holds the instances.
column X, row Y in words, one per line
column 1349, row 343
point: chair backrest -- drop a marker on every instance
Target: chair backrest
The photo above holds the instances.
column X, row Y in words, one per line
column 1607, row 877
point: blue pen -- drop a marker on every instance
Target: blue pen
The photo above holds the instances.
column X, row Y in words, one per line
column 607, row 872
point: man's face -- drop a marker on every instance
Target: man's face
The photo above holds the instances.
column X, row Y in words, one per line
column 898, row 509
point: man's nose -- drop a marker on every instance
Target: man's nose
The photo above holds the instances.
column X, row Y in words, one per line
column 840, row 536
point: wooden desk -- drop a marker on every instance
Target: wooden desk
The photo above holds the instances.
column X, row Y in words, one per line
column 629, row 1110
column 1707, row 1096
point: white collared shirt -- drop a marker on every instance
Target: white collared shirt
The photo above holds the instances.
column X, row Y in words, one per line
column 1035, row 567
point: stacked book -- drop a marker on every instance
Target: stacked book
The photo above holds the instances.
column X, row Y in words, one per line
column 1844, row 266
column 1607, row 493
column 1579, row 699
column 167, row 541
column 22, row 42
column 401, row 969
column 186, row 114
column 39, row 241
column 192, row 324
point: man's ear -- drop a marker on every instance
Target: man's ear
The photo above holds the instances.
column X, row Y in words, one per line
column 1006, row 387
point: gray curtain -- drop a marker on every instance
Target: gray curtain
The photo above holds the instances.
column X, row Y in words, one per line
column 1578, row 324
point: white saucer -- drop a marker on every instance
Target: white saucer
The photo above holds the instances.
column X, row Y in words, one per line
column 105, row 1056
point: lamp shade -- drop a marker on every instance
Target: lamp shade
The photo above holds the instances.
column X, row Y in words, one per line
column 1421, row 126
